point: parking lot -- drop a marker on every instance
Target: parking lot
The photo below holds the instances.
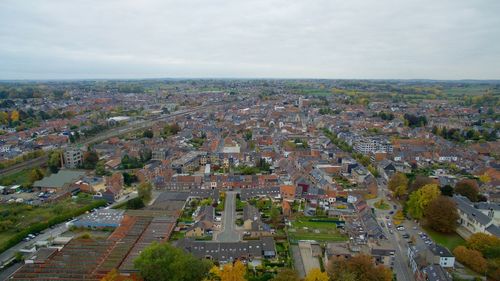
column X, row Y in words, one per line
column 26, row 197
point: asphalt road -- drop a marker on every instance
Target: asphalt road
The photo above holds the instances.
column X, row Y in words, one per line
column 401, row 265
column 229, row 234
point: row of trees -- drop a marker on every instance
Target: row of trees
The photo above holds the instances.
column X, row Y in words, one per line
column 481, row 253
column 170, row 130
column 400, row 186
column 413, row 121
column 328, row 111
column 384, row 115
column 458, row 135
column 131, row 162
column 425, row 201
column 21, row 119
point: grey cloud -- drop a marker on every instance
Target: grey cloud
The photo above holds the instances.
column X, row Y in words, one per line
column 446, row 39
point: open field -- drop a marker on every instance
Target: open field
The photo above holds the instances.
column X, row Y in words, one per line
column 450, row 241
column 303, row 229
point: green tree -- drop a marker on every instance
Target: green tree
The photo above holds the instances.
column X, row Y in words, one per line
column 148, row 134
column 275, row 215
column 35, row 175
column 100, row 168
column 128, row 179
column 248, row 135
column 447, row 190
column 54, row 162
column 171, row 129
column 419, row 200
column 163, row 262
column 135, row 203
column 4, row 117
column 144, row 191
column 90, row 159
column 373, row 171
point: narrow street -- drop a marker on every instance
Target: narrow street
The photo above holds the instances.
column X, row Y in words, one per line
column 229, row 233
column 401, row 267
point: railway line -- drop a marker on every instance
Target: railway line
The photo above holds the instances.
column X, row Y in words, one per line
column 139, row 125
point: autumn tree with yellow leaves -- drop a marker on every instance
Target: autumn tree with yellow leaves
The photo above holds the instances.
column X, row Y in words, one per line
column 230, row 272
column 315, row 274
column 14, row 116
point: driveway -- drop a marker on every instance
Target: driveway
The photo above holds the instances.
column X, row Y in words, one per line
column 229, row 234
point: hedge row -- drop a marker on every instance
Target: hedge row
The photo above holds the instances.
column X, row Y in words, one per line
column 37, row 227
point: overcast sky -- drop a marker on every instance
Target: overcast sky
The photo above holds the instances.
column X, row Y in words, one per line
column 435, row 39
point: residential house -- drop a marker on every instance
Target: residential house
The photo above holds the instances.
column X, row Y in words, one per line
column 287, row 192
column 252, row 223
column 473, row 220
column 264, row 248
column 204, row 222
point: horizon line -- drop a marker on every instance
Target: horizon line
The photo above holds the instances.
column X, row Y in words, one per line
column 245, row 78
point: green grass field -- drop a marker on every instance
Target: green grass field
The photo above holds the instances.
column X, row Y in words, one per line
column 450, row 241
column 319, row 231
column 14, row 218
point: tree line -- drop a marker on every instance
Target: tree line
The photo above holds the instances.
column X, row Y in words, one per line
column 462, row 135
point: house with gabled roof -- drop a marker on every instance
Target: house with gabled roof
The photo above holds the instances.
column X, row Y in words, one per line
column 472, row 220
